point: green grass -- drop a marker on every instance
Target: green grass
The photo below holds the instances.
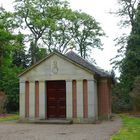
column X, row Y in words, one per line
column 9, row 118
column 130, row 129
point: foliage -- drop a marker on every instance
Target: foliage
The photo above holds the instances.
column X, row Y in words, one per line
column 130, row 65
column 3, row 102
column 54, row 25
column 130, row 129
column 38, row 16
column 10, row 85
column 9, row 44
column 86, row 32
column 120, row 101
column 127, row 13
column 135, row 94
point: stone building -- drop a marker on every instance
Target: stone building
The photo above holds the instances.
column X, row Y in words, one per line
column 65, row 87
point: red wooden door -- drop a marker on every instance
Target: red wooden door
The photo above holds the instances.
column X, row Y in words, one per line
column 56, row 99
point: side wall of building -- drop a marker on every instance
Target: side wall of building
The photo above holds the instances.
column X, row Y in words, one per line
column 104, row 98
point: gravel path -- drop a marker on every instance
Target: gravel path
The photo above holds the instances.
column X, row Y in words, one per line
column 16, row 131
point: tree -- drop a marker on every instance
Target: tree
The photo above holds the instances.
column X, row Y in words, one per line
column 127, row 13
column 9, row 69
column 54, row 25
column 86, row 33
column 60, row 38
column 130, row 66
column 75, row 30
column 38, row 16
column 135, row 94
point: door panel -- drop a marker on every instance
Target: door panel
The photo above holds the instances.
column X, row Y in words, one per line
column 56, row 99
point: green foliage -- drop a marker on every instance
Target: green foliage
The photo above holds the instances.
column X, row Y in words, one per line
column 120, row 101
column 3, row 102
column 9, row 68
column 130, row 129
column 127, row 13
column 135, row 94
column 10, row 85
column 130, row 65
column 38, row 17
column 86, row 33
column 57, row 27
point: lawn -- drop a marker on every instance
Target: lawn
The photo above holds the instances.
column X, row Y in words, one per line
column 8, row 117
column 130, row 129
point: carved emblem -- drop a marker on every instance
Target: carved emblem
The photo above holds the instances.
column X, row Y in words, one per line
column 54, row 67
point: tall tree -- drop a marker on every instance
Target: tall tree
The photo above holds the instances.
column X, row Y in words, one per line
column 74, row 30
column 130, row 65
column 37, row 16
column 127, row 13
column 86, row 33
column 9, row 69
column 60, row 37
column 54, row 24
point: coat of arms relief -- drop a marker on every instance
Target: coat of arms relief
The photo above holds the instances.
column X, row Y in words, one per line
column 54, row 67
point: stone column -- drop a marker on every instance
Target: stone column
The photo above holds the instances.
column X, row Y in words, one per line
column 91, row 99
column 42, row 100
column 32, row 100
column 22, row 100
column 95, row 99
column 68, row 99
column 79, row 98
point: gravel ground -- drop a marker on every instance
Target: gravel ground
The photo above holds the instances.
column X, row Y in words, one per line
column 16, row 131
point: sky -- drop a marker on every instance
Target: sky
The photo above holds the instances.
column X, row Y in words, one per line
column 99, row 9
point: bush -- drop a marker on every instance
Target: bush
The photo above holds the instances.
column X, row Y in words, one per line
column 135, row 94
column 3, row 102
column 120, row 100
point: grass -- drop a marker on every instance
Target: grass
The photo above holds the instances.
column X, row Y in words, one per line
column 130, row 129
column 9, row 117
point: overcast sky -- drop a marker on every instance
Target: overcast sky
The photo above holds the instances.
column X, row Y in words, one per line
column 99, row 9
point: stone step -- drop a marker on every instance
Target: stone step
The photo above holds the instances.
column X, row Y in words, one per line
column 54, row 121
column 49, row 121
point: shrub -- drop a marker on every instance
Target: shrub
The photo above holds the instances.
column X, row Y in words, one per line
column 135, row 94
column 3, row 102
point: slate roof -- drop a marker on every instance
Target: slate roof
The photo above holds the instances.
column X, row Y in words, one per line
column 77, row 59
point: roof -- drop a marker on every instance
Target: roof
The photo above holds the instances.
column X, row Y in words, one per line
column 76, row 59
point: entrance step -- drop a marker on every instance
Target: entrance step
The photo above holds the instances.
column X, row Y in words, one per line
column 53, row 121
